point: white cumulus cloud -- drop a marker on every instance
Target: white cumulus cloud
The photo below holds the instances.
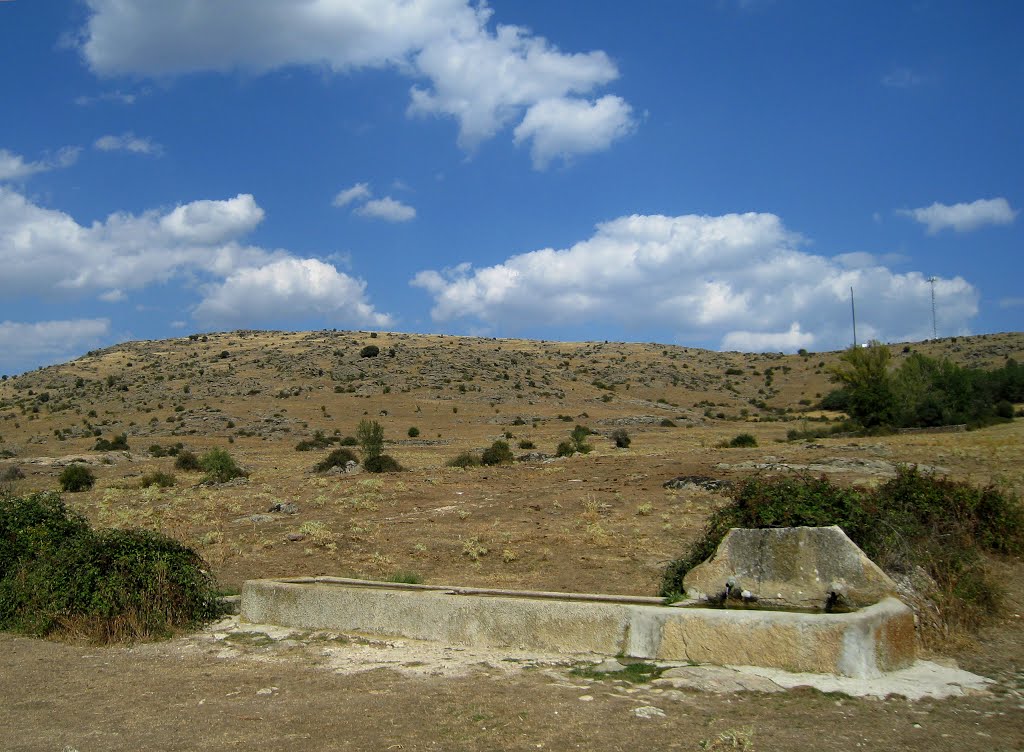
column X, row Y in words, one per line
column 963, row 217
column 567, row 126
column 25, row 343
column 46, row 252
column 387, row 209
column 15, row 167
column 288, row 289
column 737, row 278
column 486, row 78
column 128, row 142
column 357, row 192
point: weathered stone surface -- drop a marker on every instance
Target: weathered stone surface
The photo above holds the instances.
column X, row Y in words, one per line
column 798, row 567
column 715, row 679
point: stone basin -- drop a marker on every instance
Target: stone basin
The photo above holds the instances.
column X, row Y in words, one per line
column 862, row 643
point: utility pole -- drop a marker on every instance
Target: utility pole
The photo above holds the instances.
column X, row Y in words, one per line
column 853, row 313
column 932, row 281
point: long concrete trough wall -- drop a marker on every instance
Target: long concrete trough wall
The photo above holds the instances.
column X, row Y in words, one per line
column 861, row 644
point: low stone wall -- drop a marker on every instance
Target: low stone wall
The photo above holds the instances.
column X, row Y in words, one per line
column 863, row 643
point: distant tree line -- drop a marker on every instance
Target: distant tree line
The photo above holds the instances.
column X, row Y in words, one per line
column 922, row 392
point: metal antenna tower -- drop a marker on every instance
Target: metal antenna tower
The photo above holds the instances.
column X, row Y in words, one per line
column 932, row 281
column 853, row 313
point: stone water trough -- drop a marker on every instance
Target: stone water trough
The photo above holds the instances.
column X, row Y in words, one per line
column 766, row 598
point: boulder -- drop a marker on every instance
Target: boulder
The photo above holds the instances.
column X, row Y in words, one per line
column 817, row 568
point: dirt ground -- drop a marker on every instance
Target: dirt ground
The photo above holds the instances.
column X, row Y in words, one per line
column 600, row 522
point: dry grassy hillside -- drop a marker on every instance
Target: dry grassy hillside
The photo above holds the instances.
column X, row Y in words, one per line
column 601, row 521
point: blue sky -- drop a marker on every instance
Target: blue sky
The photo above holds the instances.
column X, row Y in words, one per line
column 713, row 174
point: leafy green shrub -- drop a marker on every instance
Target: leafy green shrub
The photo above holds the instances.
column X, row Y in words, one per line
column 497, row 453
column 158, row 479
column 914, row 520
column 1004, row 409
column 187, row 461
column 382, row 463
column 58, row 576
column 465, row 459
column 370, row 351
column 527, row 444
column 349, row 441
column 371, row 439
column 220, row 467
column 565, row 449
column 319, row 441
column 621, row 438
column 742, row 440
column 667, row 423
column 118, row 442
column 337, row 458
column 413, row 432
column 76, row 477
column 579, row 439
column 156, row 450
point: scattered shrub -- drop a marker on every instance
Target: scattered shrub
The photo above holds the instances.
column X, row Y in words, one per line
column 157, row 451
column 370, row 351
column 319, row 441
column 413, row 432
column 565, row 449
column 220, row 467
column 466, row 459
column 187, row 461
column 337, row 458
column 621, row 438
column 60, row 577
column 527, row 444
column 118, row 442
column 371, row 439
column 158, row 479
column 349, row 441
column 742, row 440
column 382, row 463
column 914, row 520
column 76, row 477
column 12, row 474
column 667, row 423
column 497, row 453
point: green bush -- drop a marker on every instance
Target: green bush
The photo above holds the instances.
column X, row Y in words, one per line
column 337, row 458
column 371, row 439
column 497, row 453
column 466, row 459
column 118, row 442
column 187, row 461
column 667, row 423
column 527, row 444
column 579, row 439
column 413, row 432
column 914, row 520
column 158, row 479
column 621, row 438
column 382, row 463
column 76, row 477
column 319, row 441
column 60, row 577
column 12, row 473
column 370, row 351
column 742, row 440
column 565, row 449
column 220, row 467
column 349, row 441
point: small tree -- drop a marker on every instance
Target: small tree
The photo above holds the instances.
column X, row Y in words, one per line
column 370, row 351
column 371, row 439
column 863, row 372
column 621, row 438
column 497, row 453
column 76, row 478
